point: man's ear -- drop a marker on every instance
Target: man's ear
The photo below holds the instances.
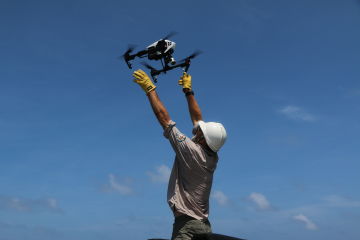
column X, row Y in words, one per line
column 195, row 128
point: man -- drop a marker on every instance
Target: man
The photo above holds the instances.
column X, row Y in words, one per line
column 196, row 159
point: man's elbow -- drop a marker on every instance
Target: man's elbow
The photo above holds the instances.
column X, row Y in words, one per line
column 163, row 118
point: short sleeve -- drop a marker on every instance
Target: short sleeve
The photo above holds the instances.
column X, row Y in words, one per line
column 168, row 129
column 183, row 146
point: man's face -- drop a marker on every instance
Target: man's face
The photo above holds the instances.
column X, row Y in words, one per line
column 199, row 136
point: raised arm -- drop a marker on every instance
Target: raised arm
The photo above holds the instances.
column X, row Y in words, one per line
column 158, row 107
column 194, row 109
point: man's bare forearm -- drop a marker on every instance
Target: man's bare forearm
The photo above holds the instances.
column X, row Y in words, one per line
column 159, row 109
column 194, row 109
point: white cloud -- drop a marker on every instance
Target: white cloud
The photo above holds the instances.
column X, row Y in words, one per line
column 220, row 198
column 29, row 205
column 308, row 223
column 161, row 175
column 17, row 204
column 324, row 207
column 297, row 113
column 339, row 201
column 116, row 186
column 260, row 200
column 52, row 202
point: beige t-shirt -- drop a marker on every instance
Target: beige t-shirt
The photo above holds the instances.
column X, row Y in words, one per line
column 191, row 177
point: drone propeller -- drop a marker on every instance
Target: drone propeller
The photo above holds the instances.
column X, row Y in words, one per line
column 126, row 56
column 186, row 61
column 170, row 35
column 129, row 50
column 194, row 55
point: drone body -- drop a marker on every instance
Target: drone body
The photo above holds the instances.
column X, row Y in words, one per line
column 161, row 50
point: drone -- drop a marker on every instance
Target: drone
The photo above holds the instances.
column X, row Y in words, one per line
column 161, row 50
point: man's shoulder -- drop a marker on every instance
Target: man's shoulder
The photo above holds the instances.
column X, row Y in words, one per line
column 169, row 128
column 179, row 136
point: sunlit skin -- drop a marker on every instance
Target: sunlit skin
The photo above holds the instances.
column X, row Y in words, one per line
column 163, row 116
column 200, row 139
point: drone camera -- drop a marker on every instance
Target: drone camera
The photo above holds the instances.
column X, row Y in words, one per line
column 170, row 59
column 173, row 62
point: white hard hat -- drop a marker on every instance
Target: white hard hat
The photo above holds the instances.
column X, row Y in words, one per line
column 214, row 133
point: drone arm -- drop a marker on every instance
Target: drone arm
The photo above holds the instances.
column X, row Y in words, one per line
column 187, row 65
column 141, row 53
column 128, row 57
column 168, row 68
column 184, row 65
column 155, row 73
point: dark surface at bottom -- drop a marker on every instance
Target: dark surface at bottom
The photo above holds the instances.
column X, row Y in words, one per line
column 207, row 236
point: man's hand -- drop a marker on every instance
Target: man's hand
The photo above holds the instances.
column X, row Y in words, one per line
column 185, row 81
column 144, row 81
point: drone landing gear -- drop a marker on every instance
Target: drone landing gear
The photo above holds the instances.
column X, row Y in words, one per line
column 184, row 64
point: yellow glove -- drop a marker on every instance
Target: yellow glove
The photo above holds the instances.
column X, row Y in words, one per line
column 185, row 81
column 144, row 81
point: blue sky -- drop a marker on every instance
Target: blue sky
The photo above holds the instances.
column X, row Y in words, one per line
column 83, row 157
